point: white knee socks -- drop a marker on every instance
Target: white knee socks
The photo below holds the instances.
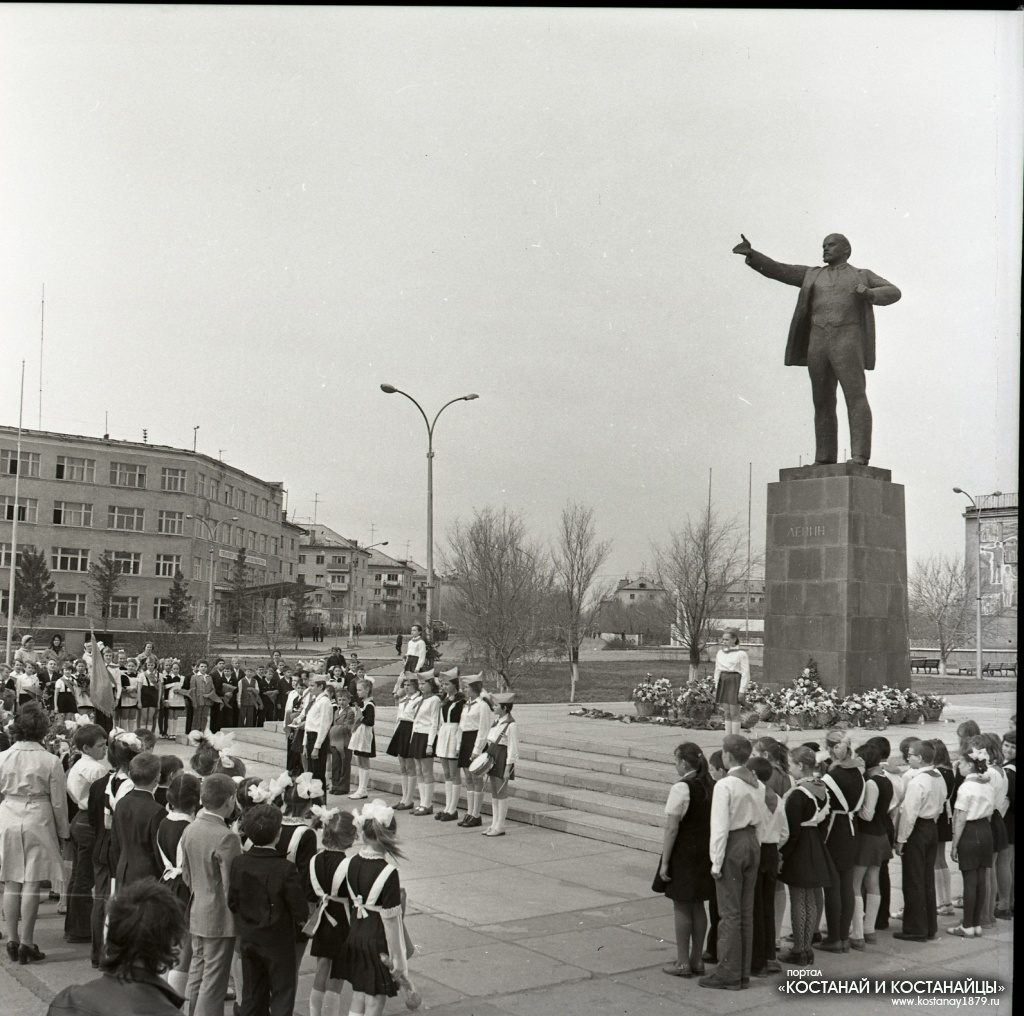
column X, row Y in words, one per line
column 451, row 797
column 942, row 897
column 872, row 903
column 407, row 781
column 857, row 924
column 499, row 809
column 474, row 801
column 332, row 1003
column 428, row 794
column 316, row 1003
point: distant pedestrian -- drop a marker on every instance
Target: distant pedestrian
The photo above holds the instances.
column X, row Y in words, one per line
column 398, row 643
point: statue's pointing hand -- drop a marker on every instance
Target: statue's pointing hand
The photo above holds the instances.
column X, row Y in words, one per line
column 743, row 248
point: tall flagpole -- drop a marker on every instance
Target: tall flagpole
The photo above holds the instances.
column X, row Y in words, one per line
column 14, row 523
column 42, row 326
column 750, row 488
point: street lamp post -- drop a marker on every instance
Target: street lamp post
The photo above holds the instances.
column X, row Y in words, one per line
column 211, row 526
column 392, row 390
column 977, row 633
column 351, row 591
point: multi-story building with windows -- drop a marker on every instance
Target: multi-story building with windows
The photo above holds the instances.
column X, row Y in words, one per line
column 156, row 509
column 335, row 567
column 397, row 593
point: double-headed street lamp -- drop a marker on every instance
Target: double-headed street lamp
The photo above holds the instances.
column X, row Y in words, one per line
column 211, row 525
column 977, row 520
column 392, row 390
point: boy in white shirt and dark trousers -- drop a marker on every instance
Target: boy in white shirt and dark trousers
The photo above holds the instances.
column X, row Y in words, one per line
column 738, row 817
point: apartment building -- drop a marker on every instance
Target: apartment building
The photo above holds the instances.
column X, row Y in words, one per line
column 336, row 567
column 156, row 509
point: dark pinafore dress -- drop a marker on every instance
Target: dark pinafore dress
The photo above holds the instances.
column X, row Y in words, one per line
column 329, row 923
column 689, row 864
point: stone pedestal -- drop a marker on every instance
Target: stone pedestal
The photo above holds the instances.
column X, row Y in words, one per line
column 836, row 577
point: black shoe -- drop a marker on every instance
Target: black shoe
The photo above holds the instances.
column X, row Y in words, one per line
column 12, row 951
column 440, row 815
column 903, row 937
column 472, row 822
column 450, row 816
column 77, row 939
column 29, row 954
column 709, row 957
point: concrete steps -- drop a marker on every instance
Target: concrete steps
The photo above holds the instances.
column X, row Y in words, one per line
column 584, row 787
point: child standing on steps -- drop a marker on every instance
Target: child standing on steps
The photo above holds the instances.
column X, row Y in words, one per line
column 732, row 675
column 362, row 743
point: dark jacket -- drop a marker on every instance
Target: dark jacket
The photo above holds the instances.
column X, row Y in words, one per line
column 266, row 897
column 880, row 292
column 133, row 837
column 147, row 995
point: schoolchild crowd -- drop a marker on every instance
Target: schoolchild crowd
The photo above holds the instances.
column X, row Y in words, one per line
column 755, row 819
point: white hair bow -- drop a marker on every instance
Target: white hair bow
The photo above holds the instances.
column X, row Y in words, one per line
column 979, row 754
column 376, row 811
column 197, row 737
column 323, row 813
column 307, row 787
column 126, row 737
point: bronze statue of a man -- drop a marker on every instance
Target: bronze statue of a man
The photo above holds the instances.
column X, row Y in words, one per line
column 832, row 334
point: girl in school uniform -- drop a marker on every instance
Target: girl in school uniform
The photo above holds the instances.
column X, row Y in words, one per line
column 182, row 805
column 423, row 743
column 448, row 742
column 474, row 725
column 944, row 827
column 328, row 924
column 297, row 841
column 972, row 844
column 377, row 930
column 64, row 693
column 845, row 782
column 873, row 847
column 807, row 867
column 400, row 746
column 503, row 747
column 362, row 743
column 732, row 675
column 150, row 693
column 999, row 786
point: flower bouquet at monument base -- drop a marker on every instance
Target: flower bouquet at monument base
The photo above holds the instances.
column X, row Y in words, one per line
column 696, row 701
column 652, row 697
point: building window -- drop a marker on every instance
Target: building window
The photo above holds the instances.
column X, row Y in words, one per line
column 201, row 484
column 70, row 605
column 167, row 565
column 319, row 559
column 124, row 474
column 9, row 462
column 72, row 559
column 127, row 562
column 71, row 468
column 336, row 559
column 160, row 606
column 252, row 504
column 28, row 509
column 250, row 540
column 273, row 541
column 72, row 513
column 339, row 580
column 170, row 523
column 227, row 493
column 300, row 578
column 197, row 568
column 212, row 489
column 263, row 507
column 127, row 519
column 5, row 556
column 302, row 558
column 125, row 607
column 172, row 479
column 239, row 536
column 263, row 543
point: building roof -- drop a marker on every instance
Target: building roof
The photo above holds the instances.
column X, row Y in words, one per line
column 640, row 582
column 323, row 536
column 133, row 446
column 380, row 560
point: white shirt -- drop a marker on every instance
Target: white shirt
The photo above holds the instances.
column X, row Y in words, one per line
column 418, row 648
column 408, row 707
column 776, row 826
column 678, row 799
column 82, row 775
column 477, row 717
column 1000, row 785
column 428, row 719
column 924, row 799
column 974, row 798
column 507, row 727
column 733, row 660
column 320, row 717
column 735, row 804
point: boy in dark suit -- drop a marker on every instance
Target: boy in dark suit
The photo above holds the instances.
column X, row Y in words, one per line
column 136, row 819
column 266, row 896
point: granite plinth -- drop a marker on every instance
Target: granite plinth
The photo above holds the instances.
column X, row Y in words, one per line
column 836, row 577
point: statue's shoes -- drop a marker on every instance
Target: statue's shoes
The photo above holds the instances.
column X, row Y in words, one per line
column 856, row 460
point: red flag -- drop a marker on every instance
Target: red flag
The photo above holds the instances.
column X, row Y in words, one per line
column 101, row 687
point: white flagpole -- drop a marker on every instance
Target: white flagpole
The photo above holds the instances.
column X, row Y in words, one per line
column 14, row 523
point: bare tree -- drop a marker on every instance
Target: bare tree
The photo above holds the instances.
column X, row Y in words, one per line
column 941, row 597
column 577, row 557
column 697, row 566
column 500, row 594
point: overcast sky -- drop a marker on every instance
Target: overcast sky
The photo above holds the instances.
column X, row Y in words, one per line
column 248, row 218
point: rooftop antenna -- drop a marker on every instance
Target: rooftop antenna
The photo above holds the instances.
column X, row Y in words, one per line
column 316, row 503
column 42, row 321
column 373, row 529
column 106, row 425
column 14, row 522
column 408, row 544
column 220, row 453
column 195, row 432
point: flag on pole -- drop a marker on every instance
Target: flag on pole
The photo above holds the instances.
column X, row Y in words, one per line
column 101, row 686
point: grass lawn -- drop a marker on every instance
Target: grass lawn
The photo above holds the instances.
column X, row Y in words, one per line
column 613, row 680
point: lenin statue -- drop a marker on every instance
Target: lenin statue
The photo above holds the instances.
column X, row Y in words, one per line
column 832, row 334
